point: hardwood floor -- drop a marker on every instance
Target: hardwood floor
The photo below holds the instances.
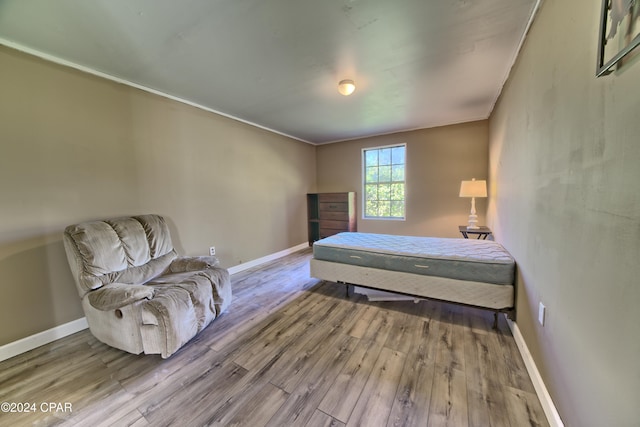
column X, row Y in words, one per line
column 291, row 351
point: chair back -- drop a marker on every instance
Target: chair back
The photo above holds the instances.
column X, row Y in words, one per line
column 130, row 250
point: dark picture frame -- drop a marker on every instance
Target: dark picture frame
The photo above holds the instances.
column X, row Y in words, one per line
column 614, row 21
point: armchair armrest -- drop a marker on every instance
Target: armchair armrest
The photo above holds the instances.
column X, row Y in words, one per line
column 184, row 264
column 117, row 295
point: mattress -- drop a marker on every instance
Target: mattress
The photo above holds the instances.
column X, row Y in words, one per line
column 461, row 259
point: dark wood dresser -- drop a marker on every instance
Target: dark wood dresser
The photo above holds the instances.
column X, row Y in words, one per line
column 330, row 213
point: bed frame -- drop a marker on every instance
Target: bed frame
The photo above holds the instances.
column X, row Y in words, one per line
column 497, row 298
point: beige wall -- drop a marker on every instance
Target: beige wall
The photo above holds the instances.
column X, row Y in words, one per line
column 437, row 160
column 565, row 201
column 75, row 147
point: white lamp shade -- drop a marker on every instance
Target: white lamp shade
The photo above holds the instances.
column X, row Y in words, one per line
column 473, row 188
column 346, row 87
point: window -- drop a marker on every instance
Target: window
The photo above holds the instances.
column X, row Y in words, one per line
column 384, row 182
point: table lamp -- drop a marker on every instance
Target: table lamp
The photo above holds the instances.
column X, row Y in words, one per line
column 473, row 189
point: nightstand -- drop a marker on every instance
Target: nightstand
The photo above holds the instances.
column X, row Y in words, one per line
column 482, row 232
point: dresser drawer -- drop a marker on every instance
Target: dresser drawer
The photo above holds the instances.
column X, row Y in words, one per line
column 333, row 197
column 326, row 233
column 334, row 215
column 334, row 225
column 333, row 207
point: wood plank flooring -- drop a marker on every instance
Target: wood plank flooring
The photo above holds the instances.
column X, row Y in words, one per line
column 290, row 351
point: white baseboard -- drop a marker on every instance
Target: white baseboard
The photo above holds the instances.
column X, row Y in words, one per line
column 15, row 348
column 256, row 262
column 548, row 406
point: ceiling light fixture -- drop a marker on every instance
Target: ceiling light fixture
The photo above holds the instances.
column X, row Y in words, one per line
column 346, row 87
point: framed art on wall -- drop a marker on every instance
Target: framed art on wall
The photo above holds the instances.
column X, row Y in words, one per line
column 619, row 33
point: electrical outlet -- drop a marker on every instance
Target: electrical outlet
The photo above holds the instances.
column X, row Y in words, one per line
column 541, row 312
column 212, row 250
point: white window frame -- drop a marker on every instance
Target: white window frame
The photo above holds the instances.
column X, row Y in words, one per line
column 364, row 190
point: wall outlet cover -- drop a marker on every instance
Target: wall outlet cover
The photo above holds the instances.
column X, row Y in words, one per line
column 212, row 250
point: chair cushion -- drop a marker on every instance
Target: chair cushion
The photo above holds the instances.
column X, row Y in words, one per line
column 101, row 248
column 168, row 321
column 193, row 263
column 198, row 285
column 118, row 295
column 118, row 250
column 158, row 235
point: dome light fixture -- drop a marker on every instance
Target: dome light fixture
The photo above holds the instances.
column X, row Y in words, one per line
column 346, row 87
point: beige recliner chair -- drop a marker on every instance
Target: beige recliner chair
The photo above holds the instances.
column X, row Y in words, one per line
column 137, row 294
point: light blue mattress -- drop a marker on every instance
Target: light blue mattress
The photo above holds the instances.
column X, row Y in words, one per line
column 463, row 259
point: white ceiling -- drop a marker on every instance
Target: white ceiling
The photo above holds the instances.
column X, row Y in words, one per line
column 276, row 63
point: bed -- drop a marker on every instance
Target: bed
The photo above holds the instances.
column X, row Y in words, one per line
column 478, row 273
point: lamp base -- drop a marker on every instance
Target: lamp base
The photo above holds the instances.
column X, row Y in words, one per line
column 473, row 222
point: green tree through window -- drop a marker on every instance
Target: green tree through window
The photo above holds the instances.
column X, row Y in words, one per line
column 384, row 181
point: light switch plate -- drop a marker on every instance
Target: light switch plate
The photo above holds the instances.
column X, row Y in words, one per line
column 541, row 312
